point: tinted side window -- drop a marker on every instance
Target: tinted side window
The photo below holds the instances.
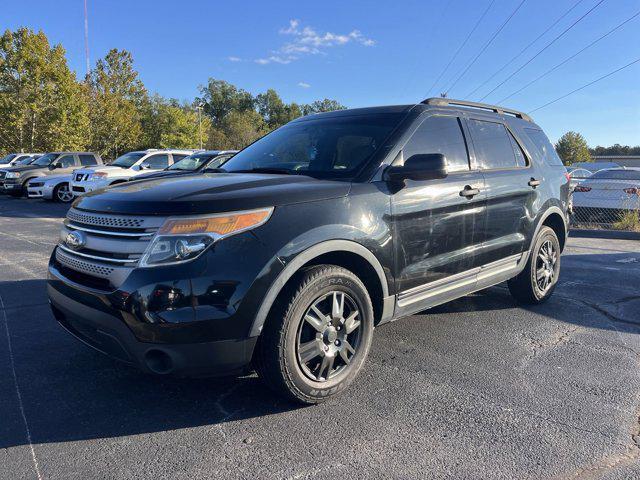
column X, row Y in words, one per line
column 543, row 144
column 66, row 161
column 493, row 145
column 177, row 157
column 440, row 134
column 157, row 162
column 88, row 160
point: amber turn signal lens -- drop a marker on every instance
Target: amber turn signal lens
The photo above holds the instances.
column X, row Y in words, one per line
column 224, row 224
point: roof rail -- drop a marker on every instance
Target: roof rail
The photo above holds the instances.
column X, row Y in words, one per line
column 446, row 102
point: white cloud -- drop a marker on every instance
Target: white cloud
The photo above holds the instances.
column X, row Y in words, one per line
column 234, row 59
column 308, row 41
column 304, row 85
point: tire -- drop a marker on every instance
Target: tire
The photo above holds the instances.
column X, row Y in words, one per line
column 58, row 195
column 294, row 332
column 529, row 287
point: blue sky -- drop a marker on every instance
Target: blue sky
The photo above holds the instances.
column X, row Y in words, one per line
column 366, row 53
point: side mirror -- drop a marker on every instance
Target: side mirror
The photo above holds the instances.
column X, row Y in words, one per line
column 422, row 166
column 53, row 166
column 145, row 166
column 136, row 167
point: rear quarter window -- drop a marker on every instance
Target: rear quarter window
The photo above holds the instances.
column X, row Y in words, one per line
column 544, row 147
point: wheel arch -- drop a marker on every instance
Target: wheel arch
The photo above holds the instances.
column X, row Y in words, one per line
column 554, row 218
column 344, row 253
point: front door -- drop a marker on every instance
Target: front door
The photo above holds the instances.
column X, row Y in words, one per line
column 438, row 224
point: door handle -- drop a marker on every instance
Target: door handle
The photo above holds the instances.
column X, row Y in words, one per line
column 469, row 191
column 533, row 182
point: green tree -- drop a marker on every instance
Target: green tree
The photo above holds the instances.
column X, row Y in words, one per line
column 219, row 98
column 117, row 101
column 42, row 106
column 238, row 130
column 168, row 124
column 326, row 105
column 572, row 148
column 274, row 111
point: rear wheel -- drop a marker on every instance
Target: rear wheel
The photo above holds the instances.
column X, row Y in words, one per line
column 317, row 336
column 538, row 280
column 62, row 193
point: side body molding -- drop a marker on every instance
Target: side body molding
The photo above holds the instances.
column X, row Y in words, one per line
column 306, row 256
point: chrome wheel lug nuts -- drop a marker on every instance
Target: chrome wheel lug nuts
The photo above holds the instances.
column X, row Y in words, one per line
column 337, row 343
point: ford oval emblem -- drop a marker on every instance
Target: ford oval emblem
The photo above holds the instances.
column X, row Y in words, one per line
column 75, row 240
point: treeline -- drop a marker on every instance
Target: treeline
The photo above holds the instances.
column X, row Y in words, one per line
column 616, row 149
column 572, row 148
column 43, row 106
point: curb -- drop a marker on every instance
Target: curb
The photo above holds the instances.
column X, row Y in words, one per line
column 610, row 234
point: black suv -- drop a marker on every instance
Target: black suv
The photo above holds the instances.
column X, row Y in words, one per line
column 314, row 235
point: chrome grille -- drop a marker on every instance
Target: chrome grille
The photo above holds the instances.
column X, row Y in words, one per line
column 105, row 220
column 82, row 266
column 113, row 244
column 80, row 177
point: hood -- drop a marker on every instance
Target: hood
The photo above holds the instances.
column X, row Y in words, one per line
column 25, row 168
column 55, row 178
column 210, row 193
column 99, row 168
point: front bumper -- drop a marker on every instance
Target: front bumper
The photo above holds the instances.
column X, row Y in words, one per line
column 10, row 186
column 87, row 186
column 41, row 191
column 92, row 317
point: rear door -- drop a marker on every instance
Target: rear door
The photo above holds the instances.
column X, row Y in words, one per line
column 510, row 182
column 437, row 226
column 159, row 161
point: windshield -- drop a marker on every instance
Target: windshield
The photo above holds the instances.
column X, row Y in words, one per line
column 25, row 161
column 192, row 162
column 617, row 175
column 128, row 159
column 334, row 147
column 7, row 158
column 45, row 160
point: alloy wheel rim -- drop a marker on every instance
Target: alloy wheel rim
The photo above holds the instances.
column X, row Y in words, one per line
column 329, row 336
column 546, row 262
column 64, row 194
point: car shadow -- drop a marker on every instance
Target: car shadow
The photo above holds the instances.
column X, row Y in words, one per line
column 12, row 207
column 71, row 392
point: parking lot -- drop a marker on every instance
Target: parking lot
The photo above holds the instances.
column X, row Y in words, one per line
column 479, row 388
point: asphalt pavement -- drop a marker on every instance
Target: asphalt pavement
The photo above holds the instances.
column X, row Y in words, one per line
column 478, row 388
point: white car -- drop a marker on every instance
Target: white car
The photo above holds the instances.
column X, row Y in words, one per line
column 608, row 192
column 124, row 168
column 14, row 159
column 56, row 188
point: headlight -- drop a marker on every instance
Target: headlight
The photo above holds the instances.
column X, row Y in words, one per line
column 13, row 175
column 183, row 239
column 99, row 175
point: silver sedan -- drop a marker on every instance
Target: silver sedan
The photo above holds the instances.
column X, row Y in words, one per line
column 54, row 188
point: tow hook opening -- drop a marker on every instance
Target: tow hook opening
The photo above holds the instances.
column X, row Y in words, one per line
column 158, row 361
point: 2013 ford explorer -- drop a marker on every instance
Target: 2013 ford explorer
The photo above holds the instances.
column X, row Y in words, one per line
column 316, row 234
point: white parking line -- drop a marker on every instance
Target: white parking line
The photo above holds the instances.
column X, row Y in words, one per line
column 19, row 395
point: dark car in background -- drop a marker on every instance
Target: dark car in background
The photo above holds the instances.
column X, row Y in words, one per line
column 14, row 180
column 313, row 236
column 196, row 162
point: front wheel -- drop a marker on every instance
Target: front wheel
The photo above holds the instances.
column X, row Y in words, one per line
column 62, row 193
column 538, row 280
column 317, row 336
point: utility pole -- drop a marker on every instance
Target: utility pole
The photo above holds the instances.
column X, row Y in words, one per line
column 86, row 38
column 199, row 108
